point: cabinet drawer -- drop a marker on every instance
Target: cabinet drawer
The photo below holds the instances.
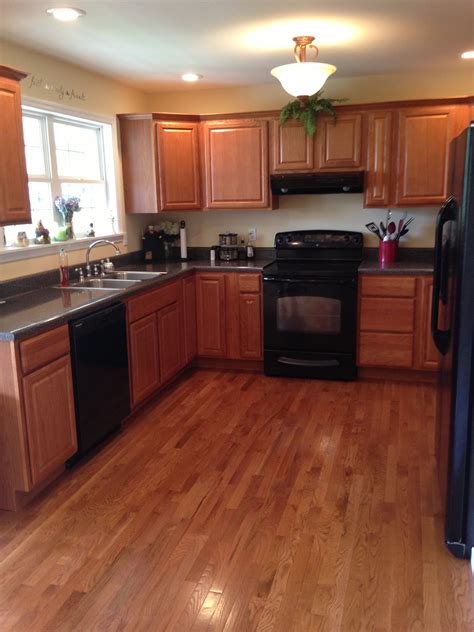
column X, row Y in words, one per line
column 45, row 348
column 389, row 350
column 153, row 301
column 249, row 282
column 388, row 286
column 387, row 314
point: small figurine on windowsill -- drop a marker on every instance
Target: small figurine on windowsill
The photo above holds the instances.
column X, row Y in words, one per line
column 42, row 234
column 90, row 232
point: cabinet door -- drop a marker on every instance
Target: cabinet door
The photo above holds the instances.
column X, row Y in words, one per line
column 170, row 329
column 190, row 334
column 211, row 315
column 424, row 135
column 178, row 166
column 50, row 419
column 250, row 313
column 291, row 148
column 14, row 197
column 427, row 354
column 339, row 143
column 236, row 164
column 377, row 184
column 143, row 360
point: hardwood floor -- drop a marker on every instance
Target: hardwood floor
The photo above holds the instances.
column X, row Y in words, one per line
column 241, row 503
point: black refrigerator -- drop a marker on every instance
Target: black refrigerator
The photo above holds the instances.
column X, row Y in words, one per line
column 452, row 325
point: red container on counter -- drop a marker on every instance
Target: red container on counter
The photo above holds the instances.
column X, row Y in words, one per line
column 388, row 251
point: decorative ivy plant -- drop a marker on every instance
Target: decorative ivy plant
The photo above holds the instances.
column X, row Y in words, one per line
column 307, row 110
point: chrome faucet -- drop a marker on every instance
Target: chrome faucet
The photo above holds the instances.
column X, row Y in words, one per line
column 97, row 243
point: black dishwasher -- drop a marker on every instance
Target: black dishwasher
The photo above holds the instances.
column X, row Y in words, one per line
column 100, row 375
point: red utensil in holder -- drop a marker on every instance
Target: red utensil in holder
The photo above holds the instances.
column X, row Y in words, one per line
column 388, row 251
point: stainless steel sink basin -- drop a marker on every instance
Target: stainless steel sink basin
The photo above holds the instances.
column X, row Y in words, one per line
column 105, row 283
column 133, row 275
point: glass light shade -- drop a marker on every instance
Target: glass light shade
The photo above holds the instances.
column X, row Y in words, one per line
column 303, row 78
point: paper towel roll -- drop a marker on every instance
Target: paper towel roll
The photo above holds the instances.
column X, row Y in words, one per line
column 182, row 240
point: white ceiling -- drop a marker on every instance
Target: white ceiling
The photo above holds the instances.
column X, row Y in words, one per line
column 149, row 44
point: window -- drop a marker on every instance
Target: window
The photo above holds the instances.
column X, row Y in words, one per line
column 68, row 156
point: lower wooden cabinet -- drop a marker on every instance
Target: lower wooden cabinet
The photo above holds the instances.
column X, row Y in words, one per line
column 143, row 358
column 394, row 323
column 49, row 415
column 229, row 315
column 170, row 336
column 189, row 307
column 37, row 419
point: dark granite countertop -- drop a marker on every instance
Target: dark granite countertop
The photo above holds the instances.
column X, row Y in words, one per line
column 30, row 313
column 399, row 268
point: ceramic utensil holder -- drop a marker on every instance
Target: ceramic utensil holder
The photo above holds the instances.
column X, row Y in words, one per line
column 388, row 251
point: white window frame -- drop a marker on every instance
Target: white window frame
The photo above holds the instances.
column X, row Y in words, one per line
column 109, row 164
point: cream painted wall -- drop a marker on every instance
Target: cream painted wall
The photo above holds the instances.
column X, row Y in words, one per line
column 341, row 211
column 369, row 89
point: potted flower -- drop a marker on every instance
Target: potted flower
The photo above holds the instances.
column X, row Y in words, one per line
column 67, row 207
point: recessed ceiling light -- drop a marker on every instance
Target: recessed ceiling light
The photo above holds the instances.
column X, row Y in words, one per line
column 191, row 76
column 66, row 14
column 469, row 54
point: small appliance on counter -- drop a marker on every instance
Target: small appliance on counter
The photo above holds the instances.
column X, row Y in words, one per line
column 228, row 247
column 310, row 305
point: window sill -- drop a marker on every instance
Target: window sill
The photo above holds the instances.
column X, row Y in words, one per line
column 17, row 253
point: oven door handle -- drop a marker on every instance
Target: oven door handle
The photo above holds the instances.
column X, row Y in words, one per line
column 301, row 362
column 322, row 281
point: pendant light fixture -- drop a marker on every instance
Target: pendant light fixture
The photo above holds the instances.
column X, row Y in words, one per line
column 307, row 76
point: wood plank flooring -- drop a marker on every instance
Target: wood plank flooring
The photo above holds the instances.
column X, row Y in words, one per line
column 239, row 503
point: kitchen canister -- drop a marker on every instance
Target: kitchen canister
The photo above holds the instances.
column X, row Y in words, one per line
column 388, row 252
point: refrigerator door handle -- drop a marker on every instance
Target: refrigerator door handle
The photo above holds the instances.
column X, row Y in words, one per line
column 440, row 280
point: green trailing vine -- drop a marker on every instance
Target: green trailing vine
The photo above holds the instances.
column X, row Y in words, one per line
column 307, row 111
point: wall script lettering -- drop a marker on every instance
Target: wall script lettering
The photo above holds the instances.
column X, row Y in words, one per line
column 62, row 93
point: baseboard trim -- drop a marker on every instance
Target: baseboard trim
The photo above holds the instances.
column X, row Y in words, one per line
column 253, row 366
column 397, row 375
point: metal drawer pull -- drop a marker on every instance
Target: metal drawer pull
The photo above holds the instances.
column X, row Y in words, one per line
column 299, row 362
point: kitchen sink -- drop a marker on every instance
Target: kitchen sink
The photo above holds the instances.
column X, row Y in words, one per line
column 133, row 275
column 105, row 283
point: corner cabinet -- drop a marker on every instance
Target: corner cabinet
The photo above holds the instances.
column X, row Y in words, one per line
column 236, row 164
column 14, row 196
column 160, row 163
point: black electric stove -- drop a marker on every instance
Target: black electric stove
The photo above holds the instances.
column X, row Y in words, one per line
column 310, row 304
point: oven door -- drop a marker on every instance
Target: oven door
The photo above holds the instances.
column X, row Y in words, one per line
column 317, row 314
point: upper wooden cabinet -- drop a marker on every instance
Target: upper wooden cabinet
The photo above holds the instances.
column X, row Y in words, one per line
column 377, row 190
column 178, row 166
column 424, row 135
column 291, row 148
column 236, row 164
column 339, row 143
column 14, row 197
column 160, row 162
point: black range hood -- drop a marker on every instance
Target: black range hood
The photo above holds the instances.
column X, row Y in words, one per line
column 342, row 182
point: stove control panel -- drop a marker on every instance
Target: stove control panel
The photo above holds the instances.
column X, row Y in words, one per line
column 327, row 239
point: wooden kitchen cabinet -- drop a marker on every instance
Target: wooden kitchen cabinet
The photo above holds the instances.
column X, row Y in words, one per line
column 14, row 196
column 160, row 163
column 339, row 143
column 291, row 149
column 189, row 309
column 156, row 333
column 394, row 322
column 49, row 415
column 143, row 358
column 178, row 165
column 170, row 336
column 229, row 315
column 37, row 418
column 424, row 135
column 378, row 183
column 236, row 164
column 211, row 314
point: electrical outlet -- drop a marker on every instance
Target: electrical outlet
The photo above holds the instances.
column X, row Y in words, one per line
column 252, row 234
